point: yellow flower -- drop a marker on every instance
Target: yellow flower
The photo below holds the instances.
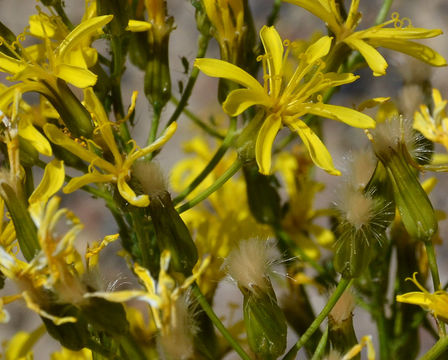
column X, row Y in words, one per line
column 436, row 302
column 286, row 100
column 20, row 346
column 366, row 41
column 227, row 17
column 434, row 126
column 119, row 171
column 69, row 61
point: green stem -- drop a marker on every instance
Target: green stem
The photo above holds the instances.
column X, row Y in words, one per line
column 202, row 49
column 438, row 349
column 273, row 16
column 383, row 11
column 131, row 348
column 432, row 261
column 211, row 165
column 212, row 188
column 204, row 126
column 217, row 322
column 382, row 334
column 343, row 284
column 320, row 349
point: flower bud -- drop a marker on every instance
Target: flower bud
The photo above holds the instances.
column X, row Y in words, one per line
column 392, row 141
column 172, row 233
column 265, row 322
column 262, row 196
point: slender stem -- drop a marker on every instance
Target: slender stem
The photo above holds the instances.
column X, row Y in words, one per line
column 438, row 349
column 273, row 16
column 212, row 188
column 343, row 284
column 383, row 11
column 211, row 165
column 382, row 334
column 217, row 322
column 432, row 261
column 202, row 49
column 154, row 127
column 320, row 349
column 204, row 126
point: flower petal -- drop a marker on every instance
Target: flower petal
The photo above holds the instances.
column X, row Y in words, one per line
column 318, row 9
column 416, row 298
column 414, row 49
column 78, row 182
column 273, row 47
column 241, row 99
column 318, row 50
column 265, row 139
column 138, row 26
column 373, row 58
column 82, row 32
column 76, row 76
column 28, row 132
column 410, row 33
column 52, row 181
column 341, row 113
column 317, row 150
column 223, row 69
column 10, row 65
column 125, row 295
column 57, row 137
column 125, row 190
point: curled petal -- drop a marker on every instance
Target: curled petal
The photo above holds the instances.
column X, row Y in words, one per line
column 317, row 150
column 125, row 190
column 318, row 50
column 265, row 139
column 273, row 46
column 373, row 58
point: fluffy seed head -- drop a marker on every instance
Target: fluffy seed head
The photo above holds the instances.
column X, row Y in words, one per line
column 410, row 97
column 356, row 207
column 360, row 168
column 249, row 263
column 150, row 176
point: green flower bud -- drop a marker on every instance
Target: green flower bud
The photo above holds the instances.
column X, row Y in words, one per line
column 26, row 231
column 265, row 323
column 263, row 199
column 172, row 233
column 9, row 37
column 392, row 141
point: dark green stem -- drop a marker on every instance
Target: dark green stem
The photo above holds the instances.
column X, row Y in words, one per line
column 202, row 49
column 273, row 16
column 342, row 286
column 212, row 188
column 217, row 322
column 211, row 165
column 383, row 11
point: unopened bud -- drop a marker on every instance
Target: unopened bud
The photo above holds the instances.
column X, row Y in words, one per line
column 172, row 233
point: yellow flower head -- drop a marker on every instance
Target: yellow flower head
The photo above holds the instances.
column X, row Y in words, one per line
column 101, row 170
column 436, row 302
column 366, row 41
column 287, row 99
column 434, row 126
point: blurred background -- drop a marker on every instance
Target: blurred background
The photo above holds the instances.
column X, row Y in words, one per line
column 294, row 23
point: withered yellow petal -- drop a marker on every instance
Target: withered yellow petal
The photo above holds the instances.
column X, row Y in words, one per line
column 128, row 194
